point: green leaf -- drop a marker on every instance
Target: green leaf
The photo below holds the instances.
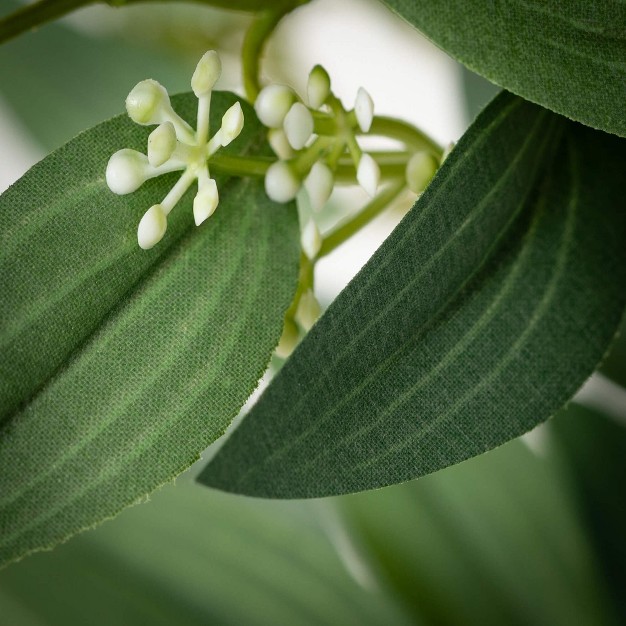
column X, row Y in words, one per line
column 82, row 80
column 495, row 540
column 614, row 366
column 594, row 448
column 479, row 317
column 119, row 366
column 569, row 56
column 190, row 557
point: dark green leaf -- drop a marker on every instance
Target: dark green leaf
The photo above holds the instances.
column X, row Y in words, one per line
column 594, row 448
column 495, row 540
column 119, row 366
column 194, row 558
column 569, row 56
column 425, row 360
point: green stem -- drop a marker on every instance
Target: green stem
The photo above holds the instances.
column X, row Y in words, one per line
column 305, row 282
column 33, row 15
column 392, row 164
column 406, row 133
column 241, row 166
column 304, row 161
column 361, row 219
column 259, row 32
column 324, row 124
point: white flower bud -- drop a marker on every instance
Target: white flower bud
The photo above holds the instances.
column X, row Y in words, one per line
column 319, row 185
column 364, row 109
column 152, row 227
column 308, row 310
column 311, row 240
column 298, row 125
column 447, row 151
column 232, row 123
column 147, row 102
column 273, row 103
column 161, row 144
column 206, row 74
column 126, row 171
column 278, row 140
column 419, row 170
column 205, row 202
column 288, row 340
column 281, row 182
column 368, row 174
column 318, row 87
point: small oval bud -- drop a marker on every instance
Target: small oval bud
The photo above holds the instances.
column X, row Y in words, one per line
column 311, row 240
column 318, row 87
column 368, row 174
column 419, row 170
column 205, row 202
column 319, row 185
column 308, row 311
column 126, row 171
column 161, row 144
column 446, row 152
column 278, row 141
column 206, row 74
column 273, row 103
column 232, row 123
column 281, row 182
column 298, row 125
column 146, row 101
column 288, row 340
column 152, row 227
column 364, row 109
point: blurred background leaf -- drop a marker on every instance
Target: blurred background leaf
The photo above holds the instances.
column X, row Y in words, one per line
column 194, row 557
column 594, row 449
column 493, row 540
column 521, row 535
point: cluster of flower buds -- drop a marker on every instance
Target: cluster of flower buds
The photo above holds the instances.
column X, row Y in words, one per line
column 307, row 157
column 174, row 146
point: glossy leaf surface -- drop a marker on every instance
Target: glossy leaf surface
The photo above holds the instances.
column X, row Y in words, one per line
column 481, row 315
column 119, row 366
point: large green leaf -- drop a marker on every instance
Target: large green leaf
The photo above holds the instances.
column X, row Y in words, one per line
column 119, row 366
column 495, row 540
column 447, row 344
column 194, row 558
column 569, row 56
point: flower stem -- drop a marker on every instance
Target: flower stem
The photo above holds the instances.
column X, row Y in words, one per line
column 305, row 282
column 259, row 32
column 361, row 219
column 406, row 133
column 241, row 166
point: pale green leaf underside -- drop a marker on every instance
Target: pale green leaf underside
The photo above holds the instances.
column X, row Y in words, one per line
column 193, row 558
column 568, row 56
column 119, row 366
column 479, row 317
